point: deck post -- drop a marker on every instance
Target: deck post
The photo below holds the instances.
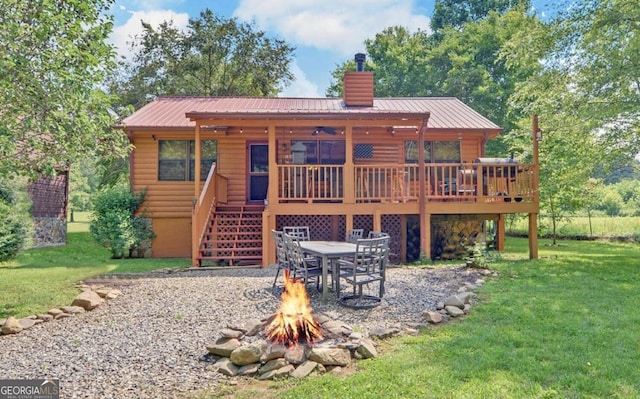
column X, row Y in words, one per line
column 533, row 236
column 425, row 240
column 195, row 235
column 349, row 188
column 377, row 221
column 500, row 232
column 426, row 244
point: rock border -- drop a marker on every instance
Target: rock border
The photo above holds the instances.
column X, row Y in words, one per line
column 90, row 298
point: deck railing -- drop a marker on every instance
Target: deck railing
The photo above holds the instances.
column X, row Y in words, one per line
column 213, row 192
column 473, row 182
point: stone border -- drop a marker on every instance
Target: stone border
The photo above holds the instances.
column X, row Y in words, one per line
column 90, row 298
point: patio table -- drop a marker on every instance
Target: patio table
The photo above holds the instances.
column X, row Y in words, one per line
column 328, row 251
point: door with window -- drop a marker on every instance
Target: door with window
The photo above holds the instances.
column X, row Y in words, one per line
column 257, row 172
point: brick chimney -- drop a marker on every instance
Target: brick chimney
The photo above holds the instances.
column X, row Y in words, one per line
column 358, row 85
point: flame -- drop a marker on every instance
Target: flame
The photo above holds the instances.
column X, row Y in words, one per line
column 293, row 323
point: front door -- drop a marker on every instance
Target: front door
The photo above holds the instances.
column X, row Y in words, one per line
column 258, row 172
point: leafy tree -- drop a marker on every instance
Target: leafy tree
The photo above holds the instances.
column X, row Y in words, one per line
column 53, row 58
column 213, row 57
column 456, row 13
column 15, row 220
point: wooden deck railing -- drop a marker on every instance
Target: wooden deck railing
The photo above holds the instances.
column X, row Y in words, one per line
column 472, row 182
column 213, row 192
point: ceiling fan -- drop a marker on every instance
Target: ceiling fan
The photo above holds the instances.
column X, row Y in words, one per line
column 324, row 129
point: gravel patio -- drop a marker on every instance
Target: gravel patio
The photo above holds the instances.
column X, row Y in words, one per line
column 150, row 341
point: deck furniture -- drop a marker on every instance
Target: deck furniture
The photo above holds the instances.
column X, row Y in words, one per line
column 366, row 267
column 281, row 254
column 301, row 232
column 301, row 266
column 353, row 235
column 328, row 251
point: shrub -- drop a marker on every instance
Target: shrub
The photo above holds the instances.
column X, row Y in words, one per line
column 116, row 225
column 15, row 221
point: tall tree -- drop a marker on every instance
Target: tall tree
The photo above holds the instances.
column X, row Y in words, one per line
column 212, row 57
column 53, row 59
column 456, row 13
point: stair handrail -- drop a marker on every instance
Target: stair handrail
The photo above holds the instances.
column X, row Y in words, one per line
column 213, row 191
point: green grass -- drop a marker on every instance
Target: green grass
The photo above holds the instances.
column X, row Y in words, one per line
column 563, row 326
column 42, row 278
column 602, row 226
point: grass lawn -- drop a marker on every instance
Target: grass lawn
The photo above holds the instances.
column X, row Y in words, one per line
column 602, row 226
column 43, row 278
column 563, row 326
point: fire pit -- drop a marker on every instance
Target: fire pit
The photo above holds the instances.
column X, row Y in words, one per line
column 292, row 342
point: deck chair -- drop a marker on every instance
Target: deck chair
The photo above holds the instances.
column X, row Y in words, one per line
column 367, row 267
column 301, row 232
column 354, row 234
column 301, row 267
column 377, row 234
column 281, row 254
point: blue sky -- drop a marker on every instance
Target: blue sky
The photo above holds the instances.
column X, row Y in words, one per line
column 324, row 32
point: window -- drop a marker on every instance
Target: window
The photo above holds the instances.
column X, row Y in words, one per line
column 176, row 159
column 324, row 152
column 434, row 151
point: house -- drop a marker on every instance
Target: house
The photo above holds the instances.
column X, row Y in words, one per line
column 412, row 167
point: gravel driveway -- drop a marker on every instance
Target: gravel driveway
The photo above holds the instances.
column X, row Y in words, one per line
column 148, row 343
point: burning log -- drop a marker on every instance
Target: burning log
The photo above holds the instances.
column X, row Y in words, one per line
column 293, row 324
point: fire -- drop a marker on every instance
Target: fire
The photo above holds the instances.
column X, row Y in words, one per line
column 293, row 323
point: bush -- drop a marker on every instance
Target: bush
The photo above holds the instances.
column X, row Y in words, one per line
column 611, row 202
column 116, row 225
column 15, row 221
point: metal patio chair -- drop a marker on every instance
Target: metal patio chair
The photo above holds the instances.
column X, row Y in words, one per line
column 281, row 254
column 354, row 234
column 367, row 267
column 301, row 232
column 302, row 266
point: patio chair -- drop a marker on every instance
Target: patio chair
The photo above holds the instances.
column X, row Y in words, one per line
column 281, row 254
column 301, row 265
column 301, row 232
column 377, row 234
column 367, row 266
column 354, row 234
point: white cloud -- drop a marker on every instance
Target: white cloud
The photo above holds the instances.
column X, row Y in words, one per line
column 301, row 86
column 340, row 26
column 123, row 34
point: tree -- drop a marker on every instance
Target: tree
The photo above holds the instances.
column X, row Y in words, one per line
column 213, row 57
column 53, row 59
column 456, row 13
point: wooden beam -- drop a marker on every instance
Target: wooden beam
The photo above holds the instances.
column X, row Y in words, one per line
column 425, row 244
column 500, row 232
column 403, row 238
column 427, row 235
column 272, row 189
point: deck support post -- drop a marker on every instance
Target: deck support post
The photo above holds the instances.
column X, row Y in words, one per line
column 533, row 236
column 500, row 232
column 426, row 244
column 377, row 221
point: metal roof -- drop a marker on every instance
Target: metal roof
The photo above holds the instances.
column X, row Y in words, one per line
column 170, row 112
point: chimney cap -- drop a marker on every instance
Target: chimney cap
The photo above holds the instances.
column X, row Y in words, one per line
column 360, row 58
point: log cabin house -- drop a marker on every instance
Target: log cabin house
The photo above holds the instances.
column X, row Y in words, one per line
column 412, row 167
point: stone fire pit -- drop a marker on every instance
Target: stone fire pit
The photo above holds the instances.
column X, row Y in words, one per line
column 245, row 351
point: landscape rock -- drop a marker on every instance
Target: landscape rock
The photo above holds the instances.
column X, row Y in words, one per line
column 283, row 371
column 454, row 300
column 73, row 309
column 88, row 300
column 304, row 369
column 229, row 333
column 249, row 369
column 45, row 317
column 246, row 354
column 432, row 317
column 384, row 332
column 62, row 316
column 11, row 326
column 454, row 311
column 330, row 356
column 223, row 347
column 273, row 352
column 367, row 349
column 272, row 365
column 54, row 312
column 26, row 323
column 253, row 328
column 296, row 354
column 225, row 366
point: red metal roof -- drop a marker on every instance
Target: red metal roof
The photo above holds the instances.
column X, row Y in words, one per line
column 169, row 112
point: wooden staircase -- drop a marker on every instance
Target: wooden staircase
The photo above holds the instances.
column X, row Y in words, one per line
column 233, row 236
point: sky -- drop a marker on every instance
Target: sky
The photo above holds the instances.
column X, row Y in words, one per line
column 325, row 33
